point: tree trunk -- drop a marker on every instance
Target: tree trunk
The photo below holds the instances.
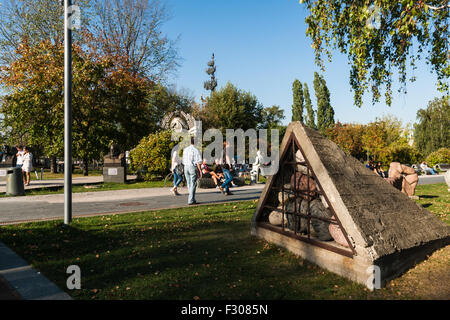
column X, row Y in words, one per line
column 85, row 167
column 53, row 168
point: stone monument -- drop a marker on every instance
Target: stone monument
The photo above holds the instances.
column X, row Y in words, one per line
column 403, row 178
column 180, row 121
column 330, row 209
column 114, row 165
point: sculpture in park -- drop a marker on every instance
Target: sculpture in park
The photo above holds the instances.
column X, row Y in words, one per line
column 327, row 207
column 180, row 121
column 115, row 157
column 178, row 124
column 403, row 178
column 114, row 165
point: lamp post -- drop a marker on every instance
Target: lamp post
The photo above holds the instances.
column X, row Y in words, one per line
column 67, row 113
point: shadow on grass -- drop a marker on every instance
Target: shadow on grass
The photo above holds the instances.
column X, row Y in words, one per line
column 173, row 257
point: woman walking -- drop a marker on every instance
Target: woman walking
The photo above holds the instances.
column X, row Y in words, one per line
column 177, row 171
column 27, row 166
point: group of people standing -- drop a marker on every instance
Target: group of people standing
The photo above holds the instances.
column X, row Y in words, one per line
column 24, row 160
column 194, row 167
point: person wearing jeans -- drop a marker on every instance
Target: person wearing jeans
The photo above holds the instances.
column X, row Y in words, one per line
column 225, row 187
column 177, row 177
column 427, row 169
column 192, row 160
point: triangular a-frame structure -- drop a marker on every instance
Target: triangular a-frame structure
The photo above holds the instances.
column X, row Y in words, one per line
column 330, row 209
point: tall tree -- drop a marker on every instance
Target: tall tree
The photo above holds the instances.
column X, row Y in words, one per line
column 108, row 103
column 310, row 122
column 297, row 106
column 35, row 20
column 432, row 131
column 131, row 31
column 380, row 36
column 271, row 117
column 325, row 112
column 211, row 84
column 34, row 102
column 330, row 111
column 231, row 108
column 271, row 120
column 321, row 105
column 29, row 107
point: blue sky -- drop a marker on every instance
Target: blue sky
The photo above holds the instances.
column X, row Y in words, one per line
column 261, row 47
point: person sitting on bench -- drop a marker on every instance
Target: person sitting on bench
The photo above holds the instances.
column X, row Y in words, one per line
column 208, row 173
column 427, row 169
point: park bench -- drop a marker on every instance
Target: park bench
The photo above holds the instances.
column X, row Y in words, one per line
column 442, row 167
column 419, row 170
column 206, row 183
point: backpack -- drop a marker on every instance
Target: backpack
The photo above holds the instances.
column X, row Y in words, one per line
column 179, row 169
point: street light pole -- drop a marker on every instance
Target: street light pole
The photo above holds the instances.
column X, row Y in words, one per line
column 67, row 114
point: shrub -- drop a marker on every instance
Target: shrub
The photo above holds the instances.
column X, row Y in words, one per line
column 349, row 138
column 151, row 157
column 402, row 153
column 440, row 156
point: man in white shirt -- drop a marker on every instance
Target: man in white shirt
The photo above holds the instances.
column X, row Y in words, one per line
column 192, row 160
column 19, row 156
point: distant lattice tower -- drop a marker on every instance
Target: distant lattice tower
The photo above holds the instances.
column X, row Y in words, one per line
column 329, row 208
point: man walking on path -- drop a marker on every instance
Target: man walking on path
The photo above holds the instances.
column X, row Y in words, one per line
column 192, row 160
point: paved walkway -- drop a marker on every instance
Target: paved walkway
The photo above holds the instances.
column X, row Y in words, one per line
column 47, row 207
column 18, row 280
column 430, row 179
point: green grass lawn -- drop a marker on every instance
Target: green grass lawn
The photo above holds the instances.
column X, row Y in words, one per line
column 50, row 176
column 203, row 252
column 435, row 198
